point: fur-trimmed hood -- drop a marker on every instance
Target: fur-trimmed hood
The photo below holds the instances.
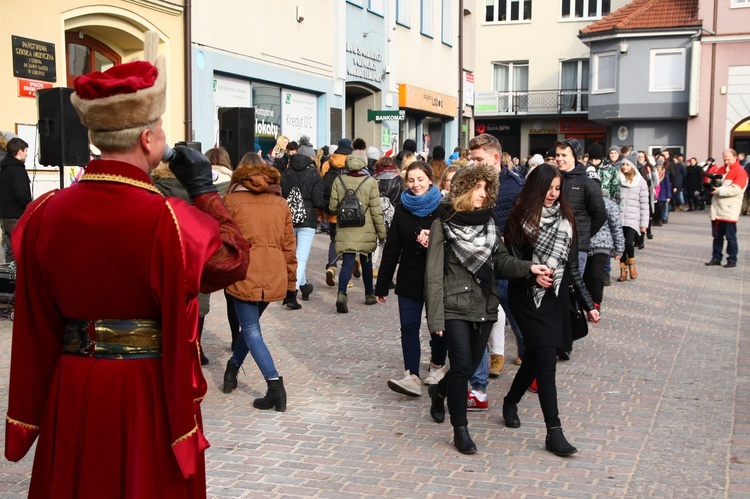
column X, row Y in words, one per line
column 466, row 178
column 256, row 178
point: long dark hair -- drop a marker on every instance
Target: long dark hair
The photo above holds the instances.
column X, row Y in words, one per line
column 528, row 207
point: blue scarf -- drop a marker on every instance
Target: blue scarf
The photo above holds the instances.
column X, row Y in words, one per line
column 424, row 205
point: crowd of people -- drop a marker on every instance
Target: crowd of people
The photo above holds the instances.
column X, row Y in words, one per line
column 468, row 242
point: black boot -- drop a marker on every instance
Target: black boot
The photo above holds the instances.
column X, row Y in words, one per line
column 275, row 396
column 437, row 408
column 204, row 359
column 230, row 377
column 306, row 290
column 291, row 300
column 462, row 440
column 510, row 414
column 557, row 444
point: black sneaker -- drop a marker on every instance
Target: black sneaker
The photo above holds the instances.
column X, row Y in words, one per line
column 713, row 263
column 730, row 265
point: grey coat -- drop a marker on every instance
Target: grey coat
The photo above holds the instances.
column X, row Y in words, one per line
column 634, row 204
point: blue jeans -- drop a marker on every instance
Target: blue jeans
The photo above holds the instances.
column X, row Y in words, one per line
column 347, row 267
column 583, row 256
column 502, row 285
column 481, row 376
column 720, row 230
column 305, row 236
column 410, row 315
column 248, row 313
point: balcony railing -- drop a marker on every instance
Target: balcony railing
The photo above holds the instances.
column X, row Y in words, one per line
column 531, row 102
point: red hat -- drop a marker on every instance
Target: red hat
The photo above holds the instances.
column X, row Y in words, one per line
column 125, row 96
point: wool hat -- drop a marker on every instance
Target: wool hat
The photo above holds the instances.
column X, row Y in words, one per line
column 344, row 144
column 631, row 159
column 575, row 146
column 466, row 178
column 373, row 153
column 125, row 96
column 536, row 160
column 305, row 147
column 410, row 145
column 596, row 151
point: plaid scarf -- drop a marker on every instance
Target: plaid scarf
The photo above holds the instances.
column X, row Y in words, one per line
column 473, row 237
column 551, row 247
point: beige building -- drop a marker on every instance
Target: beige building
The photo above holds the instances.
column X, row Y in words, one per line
column 49, row 43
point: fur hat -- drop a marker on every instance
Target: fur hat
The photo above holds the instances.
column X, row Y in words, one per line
column 125, row 96
column 466, row 178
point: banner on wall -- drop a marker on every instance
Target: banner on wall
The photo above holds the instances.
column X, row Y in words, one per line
column 228, row 92
column 299, row 115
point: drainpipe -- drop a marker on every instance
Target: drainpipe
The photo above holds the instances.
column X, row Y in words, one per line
column 187, row 18
column 460, row 69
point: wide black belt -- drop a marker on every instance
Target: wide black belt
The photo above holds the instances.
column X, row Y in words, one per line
column 113, row 338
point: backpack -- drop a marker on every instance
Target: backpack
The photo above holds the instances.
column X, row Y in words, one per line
column 297, row 206
column 351, row 213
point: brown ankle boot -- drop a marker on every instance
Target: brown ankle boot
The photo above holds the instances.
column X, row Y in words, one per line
column 623, row 272
column 633, row 269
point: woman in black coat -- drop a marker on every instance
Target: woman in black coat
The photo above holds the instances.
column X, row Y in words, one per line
column 416, row 210
column 541, row 229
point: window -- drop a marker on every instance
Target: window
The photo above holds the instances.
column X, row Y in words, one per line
column 426, row 17
column 667, row 70
column 507, row 10
column 605, row 72
column 376, row 6
column 584, row 9
column 447, row 28
column 358, row 3
column 86, row 54
column 512, row 84
column 574, row 85
column 740, row 3
column 402, row 12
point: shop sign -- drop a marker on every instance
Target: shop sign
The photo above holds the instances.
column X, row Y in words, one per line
column 28, row 88
column 581, row 126
column 468, row 88
column 299, row 111
column 485, row 104
column 412, row 97
column 365, row 63
column 385, row 140
column 499, row 127
column 34, row 59
column 386, row 115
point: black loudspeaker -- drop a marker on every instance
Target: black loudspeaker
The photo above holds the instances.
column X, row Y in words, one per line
column 63, row 139
column 237, row 131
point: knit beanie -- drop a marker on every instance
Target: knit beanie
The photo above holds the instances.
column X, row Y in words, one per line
column 596, row 151
column 575, row 146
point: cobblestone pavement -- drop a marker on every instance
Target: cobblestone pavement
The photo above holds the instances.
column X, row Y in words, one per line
column 656, row 398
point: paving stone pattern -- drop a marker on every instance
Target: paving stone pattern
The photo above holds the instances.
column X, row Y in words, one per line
column 656, row 398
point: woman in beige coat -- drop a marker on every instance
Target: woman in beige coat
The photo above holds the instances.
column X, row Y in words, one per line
column 255, row 203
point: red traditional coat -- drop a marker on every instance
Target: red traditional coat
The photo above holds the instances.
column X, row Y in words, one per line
column 112, row 247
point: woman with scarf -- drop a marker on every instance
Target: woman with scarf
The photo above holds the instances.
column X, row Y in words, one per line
column 415, row 212
column 465, row 250
column 540, row 229
column 634, row 213
column 255, row 203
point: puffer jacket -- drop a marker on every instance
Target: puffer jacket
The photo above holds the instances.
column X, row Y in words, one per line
column 452, row 292
column 634, row 205
column 256, row 205
column 610, row 236
column 585, row 197
column 358, row 239
column 303, row 175
column 726, row 203
column 337, row 161
column 511, row 184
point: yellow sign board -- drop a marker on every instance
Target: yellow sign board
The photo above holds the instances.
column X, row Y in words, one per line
column 412, row 97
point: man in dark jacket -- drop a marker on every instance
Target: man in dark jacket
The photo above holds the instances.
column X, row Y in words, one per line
column 583, row 195
column 15, row 190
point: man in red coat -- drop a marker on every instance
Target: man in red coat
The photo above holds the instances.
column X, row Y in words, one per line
column 105, row 368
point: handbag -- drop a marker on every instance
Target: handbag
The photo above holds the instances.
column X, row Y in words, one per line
column 579, row 327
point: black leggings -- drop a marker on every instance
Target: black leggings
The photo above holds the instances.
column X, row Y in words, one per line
column 466, row 343
column 593, row 276
column 540, row 364
column 630, row 235
column 234, row 323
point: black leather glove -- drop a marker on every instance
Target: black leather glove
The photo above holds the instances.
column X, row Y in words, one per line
column 193, row 170
column 291, row 300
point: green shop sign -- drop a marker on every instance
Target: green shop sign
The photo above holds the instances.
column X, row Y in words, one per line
column 386, row 115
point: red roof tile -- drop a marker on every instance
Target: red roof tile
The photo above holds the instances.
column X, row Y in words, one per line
column 648, row 14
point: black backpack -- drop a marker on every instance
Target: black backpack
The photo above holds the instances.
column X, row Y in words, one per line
column 351, row 213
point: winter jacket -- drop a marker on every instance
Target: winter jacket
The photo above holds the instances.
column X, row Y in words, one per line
column 585, row 197
column 609, row 239
column 694, row 179
column 608, row 175
column 634, row 205
column 337, row 162
column 511, row 184
column 679, row 175
column 358, row 239
column 402, row 249
column 452, row 292
column 665, row 189
column 726, row 203
column 15, row 187
column 303, row 175
column 390, row 185
column 265, row 220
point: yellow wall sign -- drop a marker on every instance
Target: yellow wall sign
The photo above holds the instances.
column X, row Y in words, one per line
column 412, row 97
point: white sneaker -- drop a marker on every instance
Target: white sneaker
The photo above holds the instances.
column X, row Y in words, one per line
column 408, row 385
column 436, row 374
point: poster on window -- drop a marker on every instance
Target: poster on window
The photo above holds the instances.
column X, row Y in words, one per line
column 228, row 92
column 299, row 115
